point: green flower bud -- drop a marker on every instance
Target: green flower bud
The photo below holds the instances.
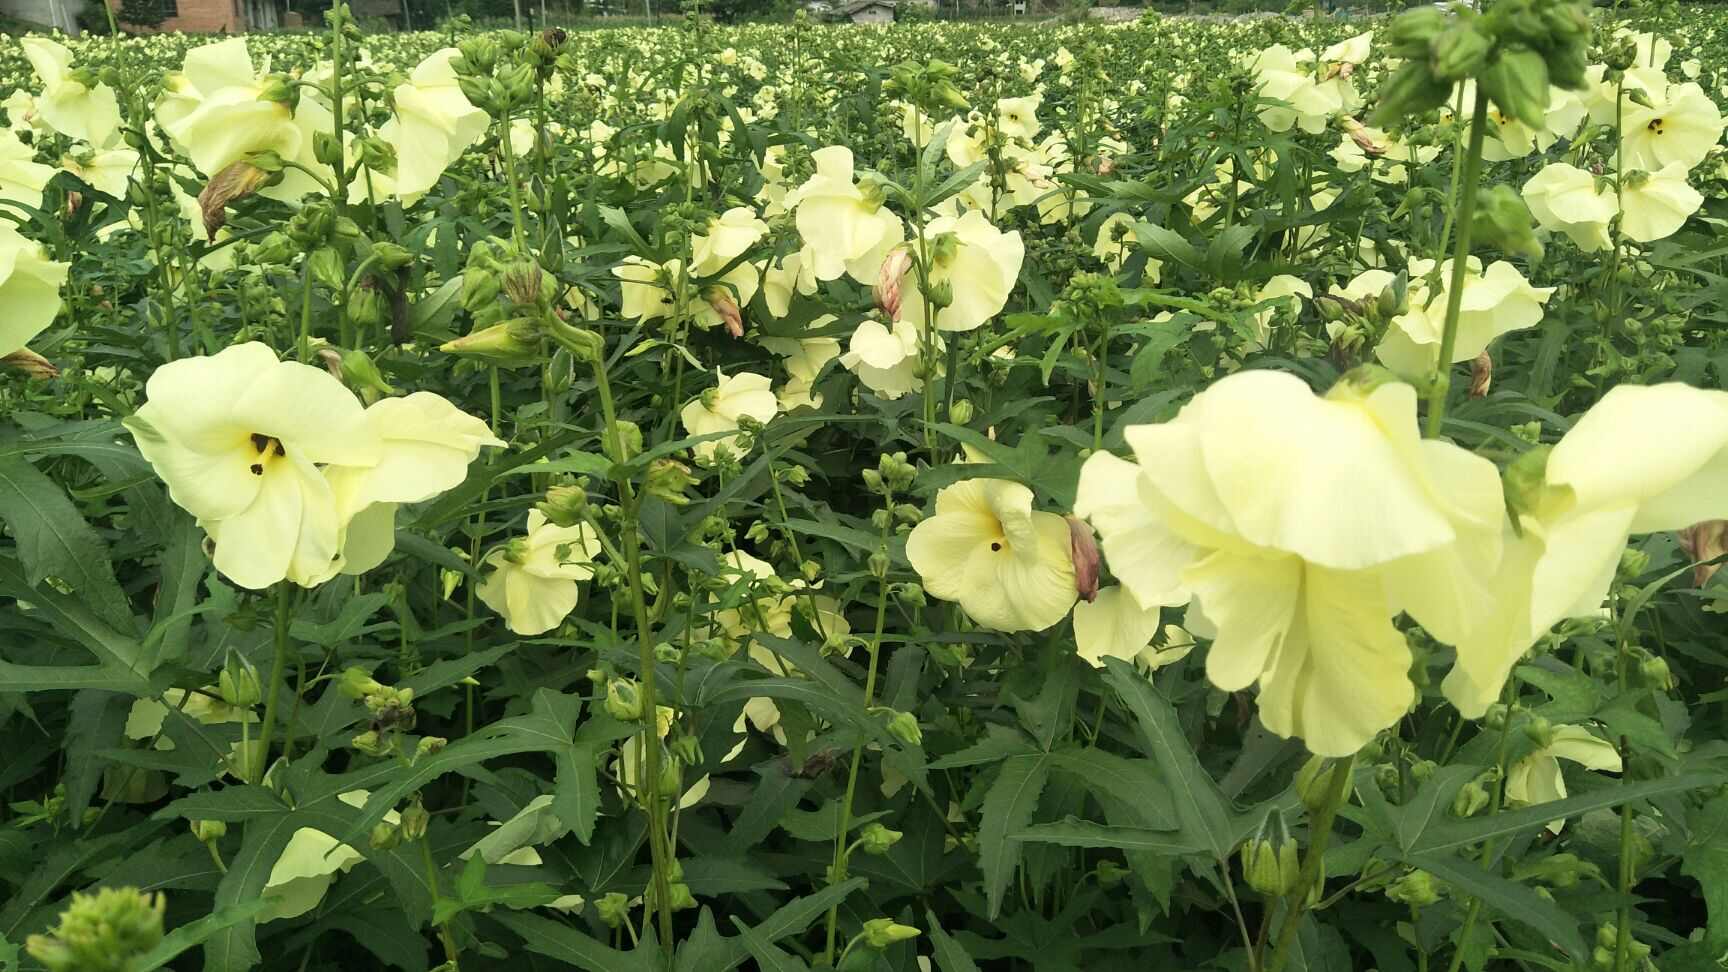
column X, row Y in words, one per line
column 1460, row 52
column 879, row 933
column 872, row 480
column 680, row 898
column 1411, row 34
column 1417, row 889
column 623, row 700
column 668, row 479
column 1518, row 84
column 429, row 746
column 1271, row 867
column 876, row 839
column 385, row 836
column 879, row 564
column 1654, row 672
column 357, row 683
column 614, row 909
column 911, row 595
column 1412, row 90
column 325, row 148
column 1110, row 874
column 940, row 294
column 625, row 443
column 328, row 268
column 1502, row 220
column 208, row 831
column 238, row 682
column 904, row 727
column 372, row 743
column 1472, row 798
column 512, row 342
column 102, row 932
column 1314, row 782
column 415, row 820
column 1558, row 870
column 1540, row 732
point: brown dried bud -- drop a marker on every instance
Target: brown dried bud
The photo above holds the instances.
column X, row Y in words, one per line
column 1083, row 548
column 726, row 306
column 1359, row 134
column 1481, row 375
column 1704, row 542
column 237, row 181
column 30, row 363
column 331, row 359
column 888, row 279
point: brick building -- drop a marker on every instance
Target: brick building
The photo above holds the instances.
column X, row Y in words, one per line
column 192, row 16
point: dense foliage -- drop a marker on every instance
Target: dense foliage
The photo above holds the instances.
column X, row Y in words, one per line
column 710, row 497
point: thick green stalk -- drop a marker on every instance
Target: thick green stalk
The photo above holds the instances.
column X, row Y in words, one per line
column 1441, row 382
column 273, row 688
column 1313, row 861
column 648, row 783
column 842, row 853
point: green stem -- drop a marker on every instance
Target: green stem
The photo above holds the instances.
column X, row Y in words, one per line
column 841, row 851
column 649, row 780
column 1313, row 861
column 449, row 941
column 272, row 689
column 1623, row 924
column 304, row 348
column 509, row 152
column 1441, row 382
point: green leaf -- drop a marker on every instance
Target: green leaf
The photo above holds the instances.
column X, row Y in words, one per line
column 1008, row 807
column 1452, row 836
column 950, row 957
column 769, row 957
column 194, row 933
column 999, row 743
column 121, row 668
column 234, row 804
column 1706, row 859
column 1204, row 816
column 1074, row 832
column 1167, row 245
column 54, row 541
column 1514, row 900
column 554, row 940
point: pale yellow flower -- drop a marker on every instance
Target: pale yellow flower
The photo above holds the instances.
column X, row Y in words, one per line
column 29, row 288
column 535, row 580
column 1496, row 301
column 1297, row 586
column 1654, row 205
column 720, row 409
column 433, row 125
column 1007, row 565
column 72, row 106
column 845, row 230
column 1565, row 199
column 22, row 178
column 1537, row 778
column 977, row 262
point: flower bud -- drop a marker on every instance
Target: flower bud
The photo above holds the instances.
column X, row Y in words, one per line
column 512, row 342
column 372, row 743
column 1417, row 889
column 1271, row 867
column 102, row 932
column 238, row 682
column 1314, row 782
column 235, row 182
column 1083, row 550
column 614, row 909
column 879, row 933
column 679, row 897
column 876, row 839
column 564, row 506
column 328, row 268
column 904, row 727
column 357, row 683
column 1654, row 672
column 888, row 281
column 940, row 294
column 668, row 479
column 726, row 305
column 1459, row 52
column 625, row 442
column 1472, row 798
column 878, row 564
column 30, row 364
column 385, row 836
column 623, row 700
column 1481, row 375
column 1517, row 82
column 208, row 831
column 1540, row 732
column 429, row 746
column 1503, row 220
column 415, row 819
column 359, row 372
column 1110, row 874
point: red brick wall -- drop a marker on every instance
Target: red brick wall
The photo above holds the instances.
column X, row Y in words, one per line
column 204, row 17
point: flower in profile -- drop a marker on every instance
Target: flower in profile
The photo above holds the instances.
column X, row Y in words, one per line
column 846, row 230
column 1654, row 205
column 72, row 103
column 1644, row 459
column 425, row 446
column 219, row 113
column 1115, row 626
column 1298, row 586
column 433, row 125
column 974, row 262
column 22, row 178
column 721, row 408
column 1565, row 199
column 1007, row 565
column 1496, row 300
column 646, row 287
column 727, row 237
column 29, row 288
column 1287, row 77
column 804, row 358
column 1537, row 778
column 534, row 582
column 106, row 171
column 885, row 357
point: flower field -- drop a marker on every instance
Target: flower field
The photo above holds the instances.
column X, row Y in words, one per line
column 1193, row 494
